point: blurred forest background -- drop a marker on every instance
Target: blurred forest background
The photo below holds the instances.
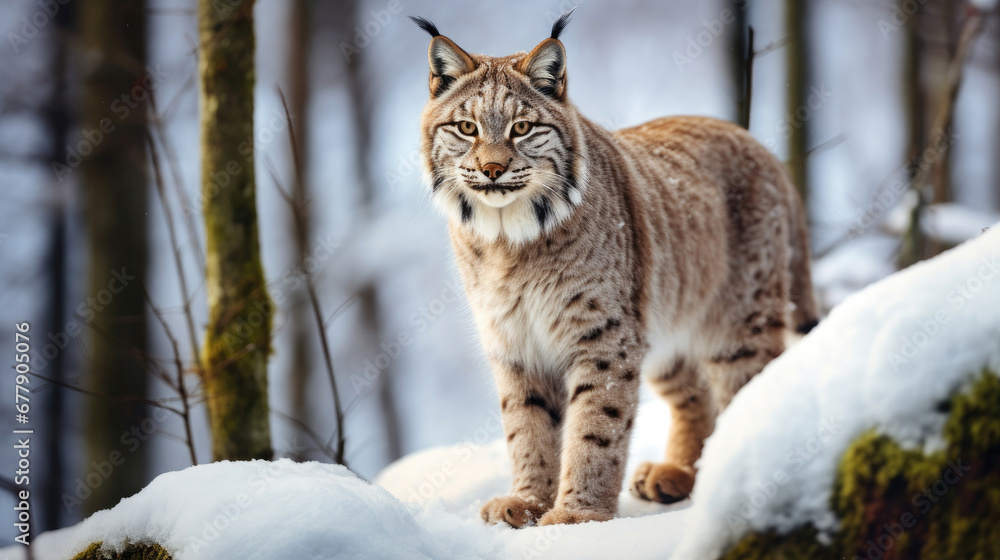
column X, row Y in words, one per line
column 888, row 114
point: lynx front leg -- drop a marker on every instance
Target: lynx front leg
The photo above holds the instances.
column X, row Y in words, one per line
column 692, row 420
column 604, row 393
column 532, row 414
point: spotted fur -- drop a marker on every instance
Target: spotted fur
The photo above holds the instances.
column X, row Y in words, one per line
column 676, row 249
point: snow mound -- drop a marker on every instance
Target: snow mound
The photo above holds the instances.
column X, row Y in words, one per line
column 270, row 510
column 458, row 479
column 882, row 360
column 428, row 508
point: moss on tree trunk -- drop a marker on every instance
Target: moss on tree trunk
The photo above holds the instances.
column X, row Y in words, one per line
column 896, row 504
column 238, row 337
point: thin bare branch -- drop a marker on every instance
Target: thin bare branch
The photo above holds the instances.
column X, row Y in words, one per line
column 111, row 398
column 181, row 386
column 301, row 234
column 178, row 261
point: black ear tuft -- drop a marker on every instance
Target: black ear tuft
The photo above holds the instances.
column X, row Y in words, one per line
column 426, row 24
column 560, row 24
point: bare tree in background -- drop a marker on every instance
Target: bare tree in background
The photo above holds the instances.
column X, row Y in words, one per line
column 346, row 12
column 931, row 115
column 942, row 42
column 931, row 35
column 57, row 121
column 740, row 58
column 238, row 338
column 914, row 244
column 298, row 101
column 115, row 179
column 797, row 68
column 995, row 24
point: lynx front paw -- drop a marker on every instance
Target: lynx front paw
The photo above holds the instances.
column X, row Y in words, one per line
column 561, row 515
column 512, row 510
column 662, row 482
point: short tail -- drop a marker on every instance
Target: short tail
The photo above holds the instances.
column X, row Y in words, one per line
column 806, row 313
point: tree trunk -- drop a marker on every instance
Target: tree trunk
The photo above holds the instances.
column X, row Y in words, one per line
column 797, row 52
column 57, row 121
column 739, row 56
column 945, row 36
column 238, row 337
column 300, row 317
column 914, row 244
column 115, row 178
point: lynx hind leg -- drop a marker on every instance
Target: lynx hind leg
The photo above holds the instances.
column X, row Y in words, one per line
column 752, row 319
column 692, row 420
column 761, row 340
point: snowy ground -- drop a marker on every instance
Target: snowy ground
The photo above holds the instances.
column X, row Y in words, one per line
column 883, row 359
column 428, row 502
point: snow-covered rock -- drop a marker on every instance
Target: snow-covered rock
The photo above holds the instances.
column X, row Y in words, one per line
column 883, row 360
column 272, row 510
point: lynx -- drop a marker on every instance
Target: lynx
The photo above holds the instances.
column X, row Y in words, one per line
column 675, row 251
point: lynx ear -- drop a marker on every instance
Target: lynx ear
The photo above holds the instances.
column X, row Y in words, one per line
column 546, row 68
column 546, row 65
column 447, row 60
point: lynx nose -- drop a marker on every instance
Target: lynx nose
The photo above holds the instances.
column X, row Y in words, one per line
column 493, row 170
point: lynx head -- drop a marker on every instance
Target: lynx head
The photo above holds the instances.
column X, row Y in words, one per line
column 502, row 146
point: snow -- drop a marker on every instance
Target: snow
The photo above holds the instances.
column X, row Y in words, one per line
column 882, row 360
column 425, row 505
column 272, row 510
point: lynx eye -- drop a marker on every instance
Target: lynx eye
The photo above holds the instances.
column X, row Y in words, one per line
column 520, row 128
column 467, row 128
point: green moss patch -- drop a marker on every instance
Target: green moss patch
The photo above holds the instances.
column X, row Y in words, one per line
column 133, row 551
column 897, row 504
